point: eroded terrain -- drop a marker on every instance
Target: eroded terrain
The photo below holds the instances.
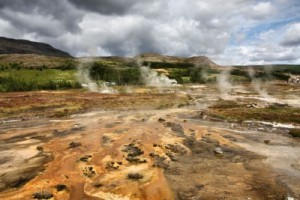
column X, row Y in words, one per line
column 171, row 146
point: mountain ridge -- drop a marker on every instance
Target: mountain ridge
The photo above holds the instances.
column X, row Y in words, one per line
column 20, row 46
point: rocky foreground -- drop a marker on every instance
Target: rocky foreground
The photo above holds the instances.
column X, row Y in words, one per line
column 159, row 152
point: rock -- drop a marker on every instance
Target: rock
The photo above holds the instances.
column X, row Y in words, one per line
column 74, row 144
column 218, row 150
column 267, row 141
column 161, row 120
column 42, row 195
column 40, row 148
column 60, row 187
column 176, row 148
column 85, row 158
column 176, row 128
column 199, row 186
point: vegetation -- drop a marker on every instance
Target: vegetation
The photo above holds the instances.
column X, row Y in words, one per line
column 295, row 132
column 120, row 75
column 36, row 72
column 234, row 112
column 164, row 65
column 12, row 80
column 224, row 104
column 203, row 74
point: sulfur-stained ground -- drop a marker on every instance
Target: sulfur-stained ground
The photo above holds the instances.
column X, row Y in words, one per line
column 141, row 146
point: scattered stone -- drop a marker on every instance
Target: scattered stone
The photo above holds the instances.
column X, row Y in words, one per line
column 135, row 160
column 154, row 145
column 159, row 161
column 161, row 120
column 112, row 166
column 171, row 156
column 199, row 186
column 176, row 128
column 132, row 150
column 77, row 127
column 189, row 141
column 267, row 141
column 98, row 185
column 253, row 105
column 74, row 144
column 89, row 172
column 60, row 187
column 40, row 148
column 85, row 158
column 105, row 139
column 176, row 148
column 152, row 155
column 135, row 176
column 218, row 150
column 42, row 195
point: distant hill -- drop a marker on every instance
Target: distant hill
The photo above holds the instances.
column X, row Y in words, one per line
column 196, row 60
column 15, row 46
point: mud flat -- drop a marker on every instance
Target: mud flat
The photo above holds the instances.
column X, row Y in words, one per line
column 154, row 153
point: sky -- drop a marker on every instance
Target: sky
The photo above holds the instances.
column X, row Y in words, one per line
column 229, row 32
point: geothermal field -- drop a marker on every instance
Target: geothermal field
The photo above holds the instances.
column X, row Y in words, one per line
column 224, row 139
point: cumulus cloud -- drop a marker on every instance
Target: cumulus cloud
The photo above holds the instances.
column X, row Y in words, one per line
column 108, row 7
column 229, row 32
column 292, row 35
column 262, row 10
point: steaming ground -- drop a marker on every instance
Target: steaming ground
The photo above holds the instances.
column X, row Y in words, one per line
column 146, row 145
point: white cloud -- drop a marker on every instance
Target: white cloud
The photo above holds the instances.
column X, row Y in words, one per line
column 230, row 32
column 262, row 10
column 292, row 35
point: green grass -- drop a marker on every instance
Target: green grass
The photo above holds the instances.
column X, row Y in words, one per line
column 40, row 76
column 12, row 80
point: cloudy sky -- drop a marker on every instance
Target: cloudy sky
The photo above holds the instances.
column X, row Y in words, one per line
column 229, row 32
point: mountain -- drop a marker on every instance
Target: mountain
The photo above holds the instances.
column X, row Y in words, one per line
column 16, row 46
column 196, row 60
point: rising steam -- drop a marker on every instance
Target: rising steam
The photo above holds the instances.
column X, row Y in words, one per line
column 224, row 85
column 257, row 84
column 83, row 76
column 152, row 78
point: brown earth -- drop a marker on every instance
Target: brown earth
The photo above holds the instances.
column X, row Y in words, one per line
column 136, row 146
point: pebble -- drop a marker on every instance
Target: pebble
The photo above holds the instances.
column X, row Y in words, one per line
column 218, row 150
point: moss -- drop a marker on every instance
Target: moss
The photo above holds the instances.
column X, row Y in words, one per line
column 225, row 104
column 283, row 115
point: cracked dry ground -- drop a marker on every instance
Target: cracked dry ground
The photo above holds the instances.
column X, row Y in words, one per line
column 130, row 155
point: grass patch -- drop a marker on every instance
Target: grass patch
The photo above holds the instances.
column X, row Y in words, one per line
column 225, row 104
column 283, row 115
column 28, row 79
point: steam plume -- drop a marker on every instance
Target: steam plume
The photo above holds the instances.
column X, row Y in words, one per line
column 224, row 85
column 83, row 76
